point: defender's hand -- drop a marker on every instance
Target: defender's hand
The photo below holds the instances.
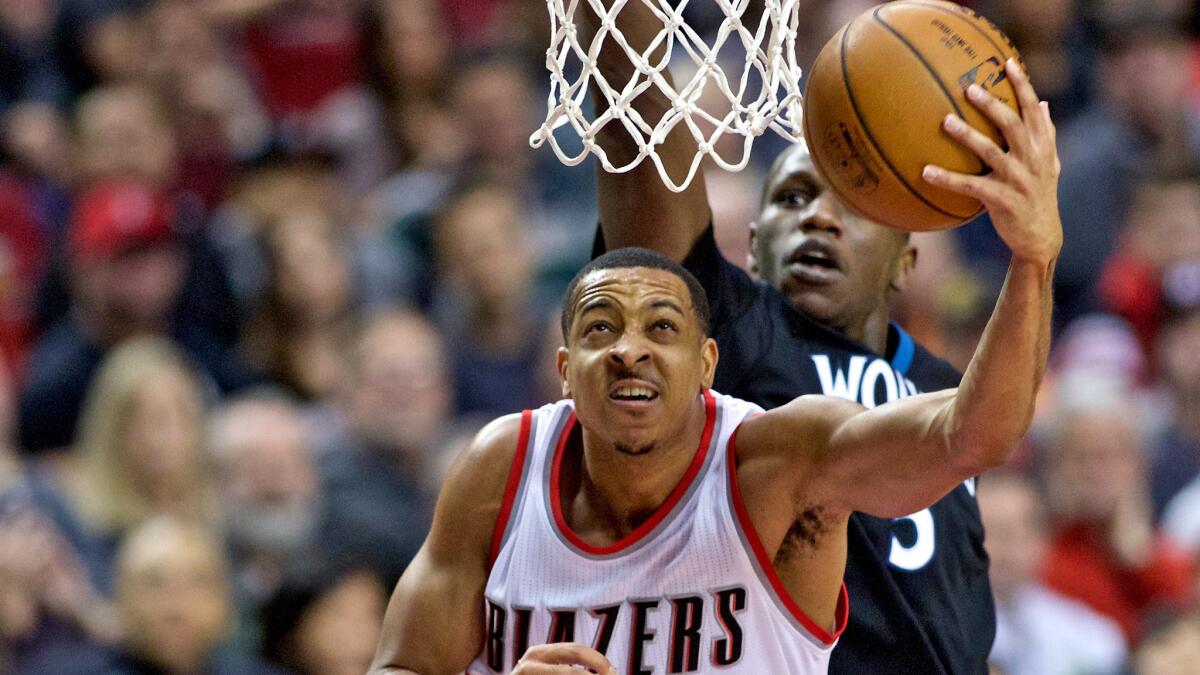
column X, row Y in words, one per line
column 1021, row 192
column 563, row 659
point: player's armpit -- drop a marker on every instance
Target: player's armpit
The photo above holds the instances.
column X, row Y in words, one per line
column 434, row 621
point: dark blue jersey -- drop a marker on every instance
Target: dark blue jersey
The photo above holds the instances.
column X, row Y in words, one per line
column 920, row 601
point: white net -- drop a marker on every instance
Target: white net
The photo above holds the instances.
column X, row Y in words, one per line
column 764, row 94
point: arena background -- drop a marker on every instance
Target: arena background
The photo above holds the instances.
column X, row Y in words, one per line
column 266, row 264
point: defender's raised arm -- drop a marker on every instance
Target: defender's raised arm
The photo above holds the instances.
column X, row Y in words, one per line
column 636, row 207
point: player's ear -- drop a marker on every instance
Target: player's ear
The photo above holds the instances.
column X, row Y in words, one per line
column 561, row 357
column 708, row 357
column 905, row 264
column 751, row 255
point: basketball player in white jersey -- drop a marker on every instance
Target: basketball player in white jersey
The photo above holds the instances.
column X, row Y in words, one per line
column 625, row 528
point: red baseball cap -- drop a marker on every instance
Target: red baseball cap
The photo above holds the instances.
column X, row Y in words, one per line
column 113, row 217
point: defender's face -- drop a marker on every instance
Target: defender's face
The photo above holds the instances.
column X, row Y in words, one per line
column 636, row 357
column 830, row 262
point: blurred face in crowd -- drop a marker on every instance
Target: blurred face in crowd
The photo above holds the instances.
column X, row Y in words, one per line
column 311, row 275
column 162, row 433
column 1164, row 223
column 1179, row 345
column 123, row 133
column 1149, row 77
column 337, row 635
column 1094, row 464
column 1035, row 19
column 494, row 101
column 27, row 19
column 134, row 291
column 36, row 135
column 117, row 46
column 417, row 44
column 482, row 246
column 181, row 39
column 1016, row 531
column 400, row 399
column 830, row 262
column 272, row 496
column 172, row 595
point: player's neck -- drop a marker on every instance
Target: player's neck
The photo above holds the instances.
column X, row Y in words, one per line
column 872, row 331
column 617, row 492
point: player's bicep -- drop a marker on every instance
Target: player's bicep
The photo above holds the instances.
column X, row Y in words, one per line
column 434, row 621
column 892, row 460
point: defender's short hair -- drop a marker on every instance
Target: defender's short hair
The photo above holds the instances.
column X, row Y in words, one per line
column 637, row 257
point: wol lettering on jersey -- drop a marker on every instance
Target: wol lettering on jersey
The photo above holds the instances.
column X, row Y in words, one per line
column 862, row 380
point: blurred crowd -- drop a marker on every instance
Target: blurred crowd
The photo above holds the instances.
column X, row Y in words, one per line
column 266, row 264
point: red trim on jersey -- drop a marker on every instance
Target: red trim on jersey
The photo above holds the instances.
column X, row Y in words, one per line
column 710, row 412
column 841, row 613
column 510, row 488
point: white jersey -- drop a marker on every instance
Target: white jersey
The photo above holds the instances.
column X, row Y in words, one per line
column 690, row 591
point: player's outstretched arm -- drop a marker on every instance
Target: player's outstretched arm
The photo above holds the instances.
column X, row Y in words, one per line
column 636, row 207
column 903, row 456
column 434, row 621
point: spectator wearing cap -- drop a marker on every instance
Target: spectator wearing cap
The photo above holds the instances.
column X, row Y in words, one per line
column 126, row 272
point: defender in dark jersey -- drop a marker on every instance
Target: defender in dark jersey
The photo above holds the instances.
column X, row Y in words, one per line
column 816, row 321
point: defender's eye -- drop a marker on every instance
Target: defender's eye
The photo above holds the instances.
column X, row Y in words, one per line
column 794, row 197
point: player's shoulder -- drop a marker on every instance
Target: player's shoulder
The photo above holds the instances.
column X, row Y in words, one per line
column 485, row 462
column 473, row 491
column 799, row 430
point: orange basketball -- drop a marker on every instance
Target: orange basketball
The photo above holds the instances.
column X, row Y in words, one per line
column 875, row 100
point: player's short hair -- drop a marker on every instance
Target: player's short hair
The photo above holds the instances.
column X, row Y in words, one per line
column 637, row 257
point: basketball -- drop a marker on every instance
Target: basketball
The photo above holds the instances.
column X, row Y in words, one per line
column 875, row 100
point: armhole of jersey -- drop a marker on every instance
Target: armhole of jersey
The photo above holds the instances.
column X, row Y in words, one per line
column 510, row 488
column 766, row 566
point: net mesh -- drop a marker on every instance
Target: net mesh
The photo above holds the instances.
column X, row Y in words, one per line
column 764, row 94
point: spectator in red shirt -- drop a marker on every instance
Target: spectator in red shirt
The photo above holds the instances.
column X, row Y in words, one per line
column 1106, row 550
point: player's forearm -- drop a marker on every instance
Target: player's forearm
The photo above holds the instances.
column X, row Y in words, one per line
column 994, row 403
column 636, row 207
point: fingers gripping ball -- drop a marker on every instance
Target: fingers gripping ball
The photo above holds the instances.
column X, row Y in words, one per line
column 875, row 100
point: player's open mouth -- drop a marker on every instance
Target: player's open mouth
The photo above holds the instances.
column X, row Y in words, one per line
column 633, row 394
column 815, row 262
column 815, row 253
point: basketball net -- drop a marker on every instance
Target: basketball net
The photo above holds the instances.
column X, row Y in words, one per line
column 769, row 68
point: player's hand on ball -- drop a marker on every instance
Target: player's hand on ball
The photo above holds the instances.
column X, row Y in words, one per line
column 563, row 659
column 1021, row 192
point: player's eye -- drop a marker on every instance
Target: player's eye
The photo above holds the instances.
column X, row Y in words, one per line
column 663, row 324
column 597, row 327
column 793, row 197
